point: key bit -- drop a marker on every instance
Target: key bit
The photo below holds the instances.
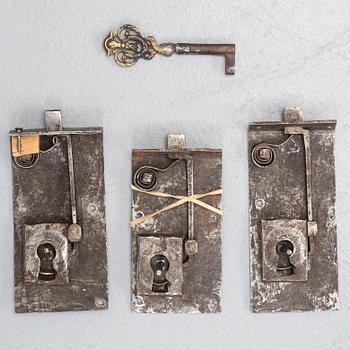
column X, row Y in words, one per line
column 127, row 45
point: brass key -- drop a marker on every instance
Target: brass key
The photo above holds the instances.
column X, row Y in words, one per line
column 128, row 46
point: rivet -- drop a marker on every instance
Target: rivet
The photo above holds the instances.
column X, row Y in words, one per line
column 99, row 302
column 259, row 203
column 92, row 208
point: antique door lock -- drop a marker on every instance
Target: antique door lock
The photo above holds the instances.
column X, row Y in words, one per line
column 127, row 45
column 176, row 229
column 292, row 215
column 59, row 218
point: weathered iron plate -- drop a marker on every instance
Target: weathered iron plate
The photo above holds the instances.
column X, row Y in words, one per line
column 279, row 192
column 54, row 234
column 41, row 196
column 171, row 247
column 201, row 273
column 294, row 231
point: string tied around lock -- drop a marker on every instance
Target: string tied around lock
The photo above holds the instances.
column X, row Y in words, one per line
column 195, row 198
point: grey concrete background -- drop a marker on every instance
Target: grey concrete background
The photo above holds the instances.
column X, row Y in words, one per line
column 288, row 53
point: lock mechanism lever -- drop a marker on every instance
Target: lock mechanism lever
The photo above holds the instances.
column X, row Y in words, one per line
column 145, row 178
column 53, row 123
column 74, row 230
column 293, row 116
column 178, row 142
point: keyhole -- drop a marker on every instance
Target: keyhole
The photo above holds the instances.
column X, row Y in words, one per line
column 46, row 252
column 160, row 266
column 284, row 250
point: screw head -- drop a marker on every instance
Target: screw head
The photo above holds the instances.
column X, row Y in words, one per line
column 92, row 208
column 147, row 178
column 259, row 203
column 100, row 303
column 265, row 153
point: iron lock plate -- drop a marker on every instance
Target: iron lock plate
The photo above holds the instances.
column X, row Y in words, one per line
column 176, row 253
column 293, row 248
column 37, row 235
column 295, row 266
column 171, row 248
column 59, row 219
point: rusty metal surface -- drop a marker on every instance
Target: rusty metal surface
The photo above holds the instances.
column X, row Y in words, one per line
column 36, row 235
column 195, row 280
column 291, row 203
column 171, row 247
column 273, row 265
column 127, row 46
column 42, row 214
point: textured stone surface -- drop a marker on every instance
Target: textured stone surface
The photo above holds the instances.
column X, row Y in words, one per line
column 288, row 53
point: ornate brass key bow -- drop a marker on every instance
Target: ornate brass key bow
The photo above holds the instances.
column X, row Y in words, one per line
column 128, row 46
